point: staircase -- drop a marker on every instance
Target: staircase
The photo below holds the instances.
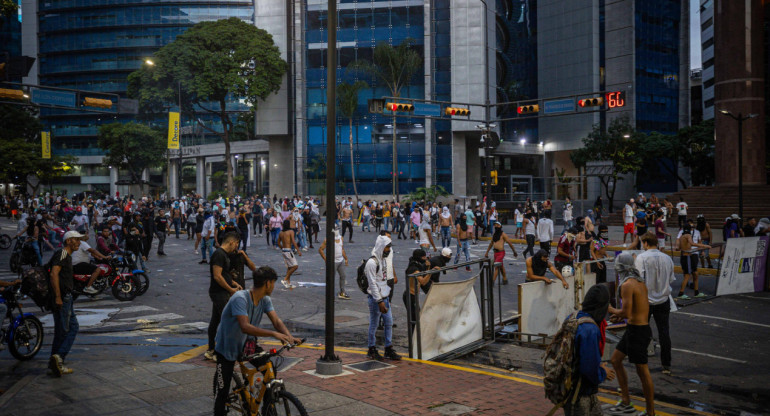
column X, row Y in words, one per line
column 716, row 203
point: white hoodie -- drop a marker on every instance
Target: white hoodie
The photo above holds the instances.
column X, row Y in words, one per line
column 378, row 281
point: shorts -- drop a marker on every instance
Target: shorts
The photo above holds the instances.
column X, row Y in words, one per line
column 288, row 258
column 628, row 228
column 83, row 268
column 499, row 256
column 704, row 254
column 518, row 225
column 634, row 343
column 689, row 263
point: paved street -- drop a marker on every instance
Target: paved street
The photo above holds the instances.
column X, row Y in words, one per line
column 714, row 342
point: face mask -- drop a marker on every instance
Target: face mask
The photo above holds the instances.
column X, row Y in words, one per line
column 604, row 236
column 386, row 254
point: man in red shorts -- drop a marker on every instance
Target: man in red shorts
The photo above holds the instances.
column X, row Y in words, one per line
column 499, row 238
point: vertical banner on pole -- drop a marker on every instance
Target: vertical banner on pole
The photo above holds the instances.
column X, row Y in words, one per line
column 173, row 130
column 46, row 135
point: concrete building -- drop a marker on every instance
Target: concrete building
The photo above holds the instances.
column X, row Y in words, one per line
column 707, row 56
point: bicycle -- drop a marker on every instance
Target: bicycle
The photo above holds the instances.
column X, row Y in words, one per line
column 245, row 398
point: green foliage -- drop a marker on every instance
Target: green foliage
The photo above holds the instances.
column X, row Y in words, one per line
column 347, row 101
column 21, row 160
column 393, row 66
column 8, row 8
column 219, row 181
column 698, row 151
column 624, row 153
column 132, row 147
column 431, row 193
column 211, row 62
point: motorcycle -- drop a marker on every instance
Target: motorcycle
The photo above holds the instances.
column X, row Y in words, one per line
column 128, row 262
column 125, row 286
column 23, row 254
column 24, row 334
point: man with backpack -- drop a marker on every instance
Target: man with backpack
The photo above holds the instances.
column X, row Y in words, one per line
column 379, row 305
column 64, row 318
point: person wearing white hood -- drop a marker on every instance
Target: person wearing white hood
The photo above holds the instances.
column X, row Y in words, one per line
column 377, row 296
column 340, row 260
column 445, row 222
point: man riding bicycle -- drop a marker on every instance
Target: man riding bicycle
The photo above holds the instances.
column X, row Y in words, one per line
column 240, row 319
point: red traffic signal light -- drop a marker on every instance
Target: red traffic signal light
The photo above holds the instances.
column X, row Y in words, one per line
column 528, row 109
column 591, row 102
column 454, row 111
column 399, row 107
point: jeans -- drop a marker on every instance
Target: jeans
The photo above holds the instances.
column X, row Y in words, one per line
column 54, row 238
column 386, row 223
column 374, row 321
column 274, row 232
column 660, row 313
column 530, row 245
column 401, row 225
column 446, row 236
column 349, row 225
column 177, row 224
column 244, row 238
column 301, row 240
column 190, row 229
column 36, row 246
column 65, row 324
column 567, row 225
column 365, row 223
column 207, row 244
column 161, row 240
column 340, row 268
column 465, row 248
column 223, row 376
column 218, row 305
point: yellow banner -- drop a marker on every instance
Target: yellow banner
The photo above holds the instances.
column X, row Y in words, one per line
column 173, row 130
column 46, row 144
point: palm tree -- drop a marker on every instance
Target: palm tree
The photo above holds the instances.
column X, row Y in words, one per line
column 347, row 96
column 393, row 66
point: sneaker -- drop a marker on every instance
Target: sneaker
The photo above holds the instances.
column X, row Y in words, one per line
column 701, row 295
column 89, row 290
column 621, row 409
column 505, row 282
column 683, row 297
column 285, row 284
column 373, row 354
column 467, row 269
column 666, row 370
column 196, row 252
column 394, row 325
column 202, row 262
column 210, row 355
column 305, row 249
column 66, row 370
column 343, row 295
column 391, row 354
column 55, row 365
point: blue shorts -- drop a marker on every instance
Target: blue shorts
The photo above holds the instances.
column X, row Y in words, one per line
column 518, row 225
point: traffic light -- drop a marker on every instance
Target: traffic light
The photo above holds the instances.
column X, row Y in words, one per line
column 528, row 109
column 12, row 94
column 97, row 102
column 453, row 111
column 494, row 177
column 399, row 107
column 591, row 102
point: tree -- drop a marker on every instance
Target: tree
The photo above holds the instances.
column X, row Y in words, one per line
column 21, row 158
column 612, row 146
column 8, row 8
column 699, row 140
column 394, row 67
column 430, row 193
column 210, row 64
column 347, row 96
column 133, row 147
column 317, row 168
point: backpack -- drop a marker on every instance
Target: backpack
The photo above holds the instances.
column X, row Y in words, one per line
column 35, row 283
column 560, row 364
column 361, row 279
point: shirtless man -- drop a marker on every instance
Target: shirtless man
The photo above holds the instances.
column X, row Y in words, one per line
column 286, row 242
column 706, row 237
column 499, row 238
column 464, row 233
column 346, row 216
column 636, row 309
column 688, row 260
column 425, row 236
column 538, row 265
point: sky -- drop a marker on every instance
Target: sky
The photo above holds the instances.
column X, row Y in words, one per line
column 694, row 34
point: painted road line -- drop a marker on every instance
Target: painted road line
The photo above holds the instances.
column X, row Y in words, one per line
column 152, row 319
column 180, row 358
column 697, row 315
column 137, row 308
column 709, row 355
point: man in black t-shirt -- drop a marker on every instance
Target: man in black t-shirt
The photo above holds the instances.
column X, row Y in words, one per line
column 161, row 225
column 65, row 322
column 222, row 285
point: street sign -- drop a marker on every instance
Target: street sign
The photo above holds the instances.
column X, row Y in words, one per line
column 427, row 109
column 52, row 97
column 566, row 105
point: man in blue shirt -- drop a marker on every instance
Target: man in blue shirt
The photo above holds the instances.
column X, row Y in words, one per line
column 240, row 319
column 590, row 366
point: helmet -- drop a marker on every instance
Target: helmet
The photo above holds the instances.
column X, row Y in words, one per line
column 567, row 271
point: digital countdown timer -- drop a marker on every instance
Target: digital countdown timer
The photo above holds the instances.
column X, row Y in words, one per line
column 615, row 99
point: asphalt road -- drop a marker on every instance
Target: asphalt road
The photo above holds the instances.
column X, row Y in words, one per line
column 720, row 358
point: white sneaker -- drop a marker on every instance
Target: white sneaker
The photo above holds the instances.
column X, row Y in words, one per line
column 89, row 290
column 196, row 252
column 285, row 284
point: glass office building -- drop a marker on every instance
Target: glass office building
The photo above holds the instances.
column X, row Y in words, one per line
column 94, row 44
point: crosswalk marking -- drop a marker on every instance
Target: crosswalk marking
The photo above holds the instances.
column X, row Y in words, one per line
column 151, row 319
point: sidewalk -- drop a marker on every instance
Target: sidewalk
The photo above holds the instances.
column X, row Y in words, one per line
column 182, row 385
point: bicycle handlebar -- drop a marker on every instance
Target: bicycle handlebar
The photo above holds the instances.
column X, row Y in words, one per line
column 272, row 352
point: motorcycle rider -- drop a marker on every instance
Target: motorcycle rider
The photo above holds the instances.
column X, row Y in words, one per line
column 81, row 264
column 106, row 242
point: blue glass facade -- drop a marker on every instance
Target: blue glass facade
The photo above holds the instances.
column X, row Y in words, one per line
column 10, row 36
column 442, row 91
column 361, row 26
column 94, row 44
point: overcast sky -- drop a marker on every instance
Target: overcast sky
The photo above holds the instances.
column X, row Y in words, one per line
column 694, row 34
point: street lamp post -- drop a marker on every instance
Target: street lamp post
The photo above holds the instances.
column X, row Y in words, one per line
column 740, row 118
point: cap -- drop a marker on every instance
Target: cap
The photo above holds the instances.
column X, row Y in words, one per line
column 735, row 217
column 72, row 234
column 446, row 252
column 765, row 222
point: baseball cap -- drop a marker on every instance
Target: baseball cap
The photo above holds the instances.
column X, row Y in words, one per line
column 446, row 252
column 72, row 234
column 735, row 217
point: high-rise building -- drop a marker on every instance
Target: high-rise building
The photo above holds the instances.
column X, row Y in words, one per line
column 10, row 35
column 707, row 56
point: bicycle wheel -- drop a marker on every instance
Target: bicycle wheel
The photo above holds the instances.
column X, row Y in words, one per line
column 5, row 241
column 283, row 404
column 237, row 399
